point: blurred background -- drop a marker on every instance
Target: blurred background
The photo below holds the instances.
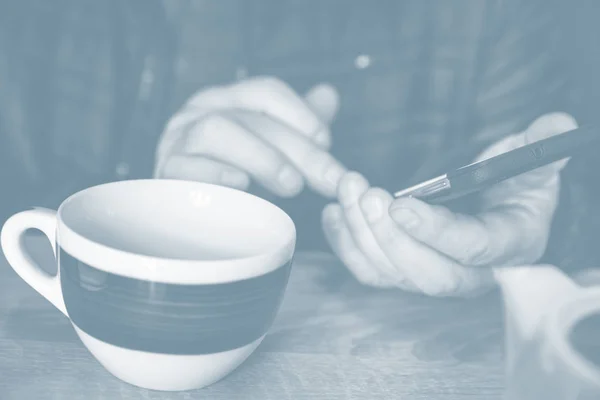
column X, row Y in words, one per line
column 86, row 87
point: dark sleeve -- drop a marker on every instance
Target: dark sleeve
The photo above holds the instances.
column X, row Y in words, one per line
column 516, row 77
column 521, row 76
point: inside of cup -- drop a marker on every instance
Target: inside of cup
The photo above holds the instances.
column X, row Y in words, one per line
column 177, row 220
column 584, row 338
column 572, row 333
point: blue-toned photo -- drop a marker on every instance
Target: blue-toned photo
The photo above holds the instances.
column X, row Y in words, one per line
column 286, row 199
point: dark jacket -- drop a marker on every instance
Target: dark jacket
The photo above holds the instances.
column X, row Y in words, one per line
column 424, row 85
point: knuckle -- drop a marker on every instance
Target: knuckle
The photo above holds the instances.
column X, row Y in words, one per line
column 445, row 281
column 476, row 254
column 270, row 83
column 212, row 133
column 212, row 124
column 441, row 287
column 452, row 286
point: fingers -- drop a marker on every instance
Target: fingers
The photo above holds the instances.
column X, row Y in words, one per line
column 324, row 100
column 276, row 99
column 172, row 135
column 493, row 238
column 222, row 139
column 430, row 271
column 352, row 187
column 463, row 238
column 344, row 247
column 266, row 160
column 364, row 236
column 195, row 168
column 273, row 154
column 518, row 212
column 269, row 96
column 320, row 169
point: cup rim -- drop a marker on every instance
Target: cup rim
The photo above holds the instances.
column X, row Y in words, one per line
column 175, row 270
column 560, row 324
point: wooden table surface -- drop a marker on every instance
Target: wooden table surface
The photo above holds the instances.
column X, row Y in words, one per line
column 333, row 339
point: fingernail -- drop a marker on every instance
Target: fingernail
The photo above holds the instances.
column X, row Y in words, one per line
column 234, row 179
column 353, row 186
column 405, row 217
column 333, row 174
column 372, row 208
column 290, row 179
column 322, row 137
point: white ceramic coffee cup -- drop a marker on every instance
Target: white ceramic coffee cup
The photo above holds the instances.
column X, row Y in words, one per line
column 170, row 284
column 552, row 327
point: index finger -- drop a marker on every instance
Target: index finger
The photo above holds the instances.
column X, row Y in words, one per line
column 275, row 98
column 320, row 169
column 272, row 97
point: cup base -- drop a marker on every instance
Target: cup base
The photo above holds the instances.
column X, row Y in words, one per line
column 166, row 372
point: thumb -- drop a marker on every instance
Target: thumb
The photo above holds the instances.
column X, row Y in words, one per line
column 324, row 100
column 538, row 187
column 542, row 128
column 545, row 126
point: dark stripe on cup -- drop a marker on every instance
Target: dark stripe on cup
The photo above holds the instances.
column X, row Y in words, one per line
column 170, row 318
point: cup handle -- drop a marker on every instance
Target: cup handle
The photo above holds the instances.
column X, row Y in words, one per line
column 14, row 250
